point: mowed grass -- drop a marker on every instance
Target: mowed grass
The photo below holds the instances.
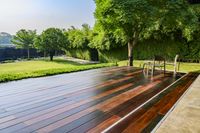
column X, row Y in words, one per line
column 184, row 67
column 39, row 68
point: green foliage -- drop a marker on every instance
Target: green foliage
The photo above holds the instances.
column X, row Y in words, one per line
column 166, row 48
column 177, row 15
column 79, row 38
column 134, row 21
column 196, row 9
column 80, row 43
column 39, row 68
column 104, row 41
column 113, row 55
column 193, row 46
column 51, row 40
column 145, row 17
column 127, row 16
column 24, row 38
column 79, row 53
column 146, row 50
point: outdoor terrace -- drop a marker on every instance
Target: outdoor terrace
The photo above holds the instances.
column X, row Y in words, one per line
column 116, row 99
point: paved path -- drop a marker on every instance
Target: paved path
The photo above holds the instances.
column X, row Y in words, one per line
column 77, row 102
column 81, row 61
column 185, row 118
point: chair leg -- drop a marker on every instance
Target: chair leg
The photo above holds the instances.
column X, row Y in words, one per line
column 143, row 68
column 175, row 70
column 179, row 66
column 152, row 70
column 164, row 69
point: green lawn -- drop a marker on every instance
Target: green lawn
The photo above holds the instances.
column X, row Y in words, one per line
column 184, row 67
column 38, row 68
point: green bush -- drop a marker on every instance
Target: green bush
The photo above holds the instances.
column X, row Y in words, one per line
column 147, row 49
column 144, row 50
column 113, row 55
column 79, row 53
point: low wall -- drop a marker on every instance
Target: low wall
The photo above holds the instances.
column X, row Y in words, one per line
column 13, row 53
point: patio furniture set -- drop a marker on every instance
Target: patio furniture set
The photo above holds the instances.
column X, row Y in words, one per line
column 160, row 62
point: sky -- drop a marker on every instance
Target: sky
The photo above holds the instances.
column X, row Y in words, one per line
column 42, row 14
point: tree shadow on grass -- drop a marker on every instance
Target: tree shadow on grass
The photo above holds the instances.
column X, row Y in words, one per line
column 198, row 71
column 65, row 62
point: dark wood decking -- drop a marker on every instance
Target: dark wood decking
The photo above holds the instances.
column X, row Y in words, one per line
column 147, row 117
column 88, row 101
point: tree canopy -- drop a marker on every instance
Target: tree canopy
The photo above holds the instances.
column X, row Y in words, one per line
column 51, row 40
column 24, row 39
column 136, row 20
column 79, row 38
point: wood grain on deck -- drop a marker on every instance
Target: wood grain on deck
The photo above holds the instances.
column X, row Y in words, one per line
column 88, row 101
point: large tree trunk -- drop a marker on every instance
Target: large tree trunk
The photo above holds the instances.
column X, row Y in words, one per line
column 51, row 57
column 131, row 45
column 130, row 53
column 51, row 54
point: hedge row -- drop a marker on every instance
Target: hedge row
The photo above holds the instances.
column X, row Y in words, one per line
column 143, row 51
column 86, row 54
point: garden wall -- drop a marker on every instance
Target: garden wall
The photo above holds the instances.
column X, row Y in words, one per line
column 13, row 53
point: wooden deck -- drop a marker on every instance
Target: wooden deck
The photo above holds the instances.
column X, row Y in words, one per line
column 89, row 101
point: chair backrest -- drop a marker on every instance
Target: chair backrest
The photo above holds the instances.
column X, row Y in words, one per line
column 159, row 58
column 176, row 59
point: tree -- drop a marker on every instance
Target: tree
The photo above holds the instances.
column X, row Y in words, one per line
column 51, row 40
column 137, row 20
column 79, row 38
column 24, row 39
column 102, row 40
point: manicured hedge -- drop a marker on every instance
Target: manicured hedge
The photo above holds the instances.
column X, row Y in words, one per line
column 86, row 54
column 149, row 48
column 113, row 55
column 79, row 53
column 145, row 50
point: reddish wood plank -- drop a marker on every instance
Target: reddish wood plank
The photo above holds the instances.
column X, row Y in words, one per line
column 151, row 115
column 99, row 128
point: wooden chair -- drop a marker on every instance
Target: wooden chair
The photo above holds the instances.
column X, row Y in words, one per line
column 146, row 67
column 175, row 64
column 159, row 62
